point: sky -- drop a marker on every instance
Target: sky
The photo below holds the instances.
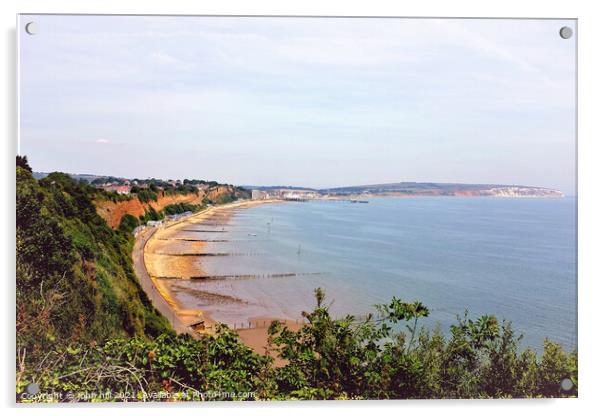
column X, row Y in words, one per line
column 316, row 102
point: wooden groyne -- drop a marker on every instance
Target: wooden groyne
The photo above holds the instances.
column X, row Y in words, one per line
column 205, row 231
column 240, row 276
column 159, row 253
column 195, row 239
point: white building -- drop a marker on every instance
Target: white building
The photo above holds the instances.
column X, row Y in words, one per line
column 257, row 194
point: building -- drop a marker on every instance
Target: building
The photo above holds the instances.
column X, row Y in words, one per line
column 120, row 189
column 256, row 194
column 123, row 190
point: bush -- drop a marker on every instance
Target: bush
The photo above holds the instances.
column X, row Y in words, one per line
column 349, row 358
column 180, row 208
column 147, row 195
column 151, row 215
column 325, row 359
column 75, row 280
column 128, row 223
column 137, row 369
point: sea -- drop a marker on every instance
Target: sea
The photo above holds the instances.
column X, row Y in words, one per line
column 514, row 258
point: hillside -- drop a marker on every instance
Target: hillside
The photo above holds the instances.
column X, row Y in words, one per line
column 444, row 189
column 75, row 280
column 149, row 197
column 74, row 248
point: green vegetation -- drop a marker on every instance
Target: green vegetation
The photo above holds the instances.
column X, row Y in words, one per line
column 84, row 326
column 149, row 190
column 326, row 359
column 199, row 182
column 75, row 281
column 351, row 359
column 145, row 195
column 181, row 190
column 180, row 208
column 142, row 369
column 150, row 215
column 111, row 196
column 104, row 179
column 224, row 199
column 159, row 188
column 23, row 163
column 128, row 223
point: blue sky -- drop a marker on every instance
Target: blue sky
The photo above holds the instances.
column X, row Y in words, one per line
column 300, row 101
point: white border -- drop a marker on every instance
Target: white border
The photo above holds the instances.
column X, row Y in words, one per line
column 590, row 188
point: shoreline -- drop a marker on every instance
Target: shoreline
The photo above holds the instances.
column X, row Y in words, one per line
column 148, row 285
column 167, row 258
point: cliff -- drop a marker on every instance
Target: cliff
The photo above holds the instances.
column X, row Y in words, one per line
column 113, row 211
column 445, row 189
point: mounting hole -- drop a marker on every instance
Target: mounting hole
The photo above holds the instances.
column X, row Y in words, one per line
column 566, row 384
column 32, row 388
column 31, row 28
column 566, row 32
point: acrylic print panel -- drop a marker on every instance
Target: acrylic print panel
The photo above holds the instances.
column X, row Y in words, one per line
column 209, row 208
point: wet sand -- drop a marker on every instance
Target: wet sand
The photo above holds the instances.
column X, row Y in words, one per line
column 173, row 258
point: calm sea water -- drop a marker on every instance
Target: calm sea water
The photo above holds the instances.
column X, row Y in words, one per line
column 514, row 258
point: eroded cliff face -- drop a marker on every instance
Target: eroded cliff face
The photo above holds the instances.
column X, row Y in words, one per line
column 112, row 212
column 520, row 192
column 214, row 194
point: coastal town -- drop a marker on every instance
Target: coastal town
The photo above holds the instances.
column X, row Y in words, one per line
column 124, row 186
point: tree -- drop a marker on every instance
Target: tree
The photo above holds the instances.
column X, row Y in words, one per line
column 23, row 163
column 376, row 357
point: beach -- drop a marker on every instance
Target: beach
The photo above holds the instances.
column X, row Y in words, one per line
column 173, row 255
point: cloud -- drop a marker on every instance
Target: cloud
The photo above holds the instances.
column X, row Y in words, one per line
column 167, row 59
column 102, row 141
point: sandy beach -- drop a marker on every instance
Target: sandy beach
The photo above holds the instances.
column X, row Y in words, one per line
column 173, row 255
